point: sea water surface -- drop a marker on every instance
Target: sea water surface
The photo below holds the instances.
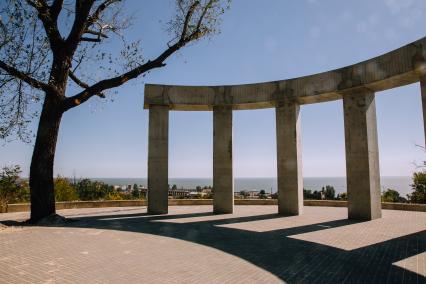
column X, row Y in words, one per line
column 269, row 184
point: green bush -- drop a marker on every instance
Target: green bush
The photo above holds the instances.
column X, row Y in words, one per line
column 12, row 188
column 93, row 190
column 419, row 188
column 64, row 190
column 342, row 196
column 391, row 195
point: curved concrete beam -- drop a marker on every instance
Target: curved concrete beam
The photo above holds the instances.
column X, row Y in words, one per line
column 397, row 68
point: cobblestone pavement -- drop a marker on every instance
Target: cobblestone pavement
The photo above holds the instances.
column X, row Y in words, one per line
column 191, row 245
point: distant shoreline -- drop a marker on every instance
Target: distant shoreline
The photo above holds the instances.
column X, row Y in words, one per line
column 269, row 184
column 234, row 177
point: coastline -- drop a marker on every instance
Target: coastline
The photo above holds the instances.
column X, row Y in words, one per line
column 398, row 183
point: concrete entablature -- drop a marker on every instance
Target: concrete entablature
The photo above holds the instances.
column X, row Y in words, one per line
column 394, row 69
column 355, row 85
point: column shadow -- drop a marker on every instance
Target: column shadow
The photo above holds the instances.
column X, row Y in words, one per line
column 290, row 259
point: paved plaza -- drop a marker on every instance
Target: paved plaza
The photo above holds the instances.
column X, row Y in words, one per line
column 191, row 245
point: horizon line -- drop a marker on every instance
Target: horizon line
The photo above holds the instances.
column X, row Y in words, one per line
column 211, row 177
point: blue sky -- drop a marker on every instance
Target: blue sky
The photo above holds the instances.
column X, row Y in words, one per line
column 259, row 41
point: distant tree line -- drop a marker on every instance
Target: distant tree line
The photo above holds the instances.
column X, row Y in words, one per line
column 326, row 193
column 88, row 190
column 14, row 189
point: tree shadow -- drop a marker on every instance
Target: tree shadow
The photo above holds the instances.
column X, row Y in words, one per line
column 290, row 259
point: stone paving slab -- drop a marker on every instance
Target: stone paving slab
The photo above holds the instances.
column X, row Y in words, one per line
column 191, row 245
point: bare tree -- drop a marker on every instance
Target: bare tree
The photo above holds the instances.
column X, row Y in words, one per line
column 48, row 46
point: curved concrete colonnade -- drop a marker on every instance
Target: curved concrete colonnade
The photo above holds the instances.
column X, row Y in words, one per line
column 355, row 84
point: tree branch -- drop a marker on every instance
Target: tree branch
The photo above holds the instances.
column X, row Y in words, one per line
column 56, row 9
column 34, row 4
column 82, row 10
column 90, row 39
column 188, row 18
column 77, row 81
column 83, row 21
column 96, row 15
column 49, row 23
column 200, row 20
column 99, row 34
column 81, row 83
column 103, row 85
column 26, row 78
column 113, row 82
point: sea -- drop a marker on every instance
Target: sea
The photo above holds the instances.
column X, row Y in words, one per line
column 269, row 184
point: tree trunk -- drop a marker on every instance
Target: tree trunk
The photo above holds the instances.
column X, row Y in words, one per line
column 41, row 171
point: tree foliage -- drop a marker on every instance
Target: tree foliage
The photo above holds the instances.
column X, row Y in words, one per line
column 93, row 190
column 12, row 188
column 328, row 192
column 25, row 60
column 262, row 194
column 342, row 196
column 136, row 192
column 48, row 46
column 244, row 193
column 390, row 195
column 418, row 194
column 64, row 190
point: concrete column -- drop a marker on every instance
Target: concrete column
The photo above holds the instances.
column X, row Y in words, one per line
column 223, row 180
column 362, row 156
column 289, row 159
column 423, row 91
column 158, row 160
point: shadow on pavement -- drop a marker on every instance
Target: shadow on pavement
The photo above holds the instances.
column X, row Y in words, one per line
column 290, row 259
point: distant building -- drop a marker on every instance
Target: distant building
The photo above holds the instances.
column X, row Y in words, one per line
column 248, row 194
column 252, row 194
column 207, row 191
column 174, row 192
column 179, row 193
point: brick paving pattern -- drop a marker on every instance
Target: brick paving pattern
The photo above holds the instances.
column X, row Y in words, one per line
column 191, row 245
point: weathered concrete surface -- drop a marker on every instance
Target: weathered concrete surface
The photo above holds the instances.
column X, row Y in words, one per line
column 158, row 159
column 394, row 69
column 192, row 245
column 397, row 68
column 423, row 93
column 223, row 179
column 289, row 160
column 362, row 155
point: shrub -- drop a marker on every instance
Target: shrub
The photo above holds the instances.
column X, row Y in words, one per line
column 64, row 190
column 419, row 188
column 391, row 195
column 12, row 188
